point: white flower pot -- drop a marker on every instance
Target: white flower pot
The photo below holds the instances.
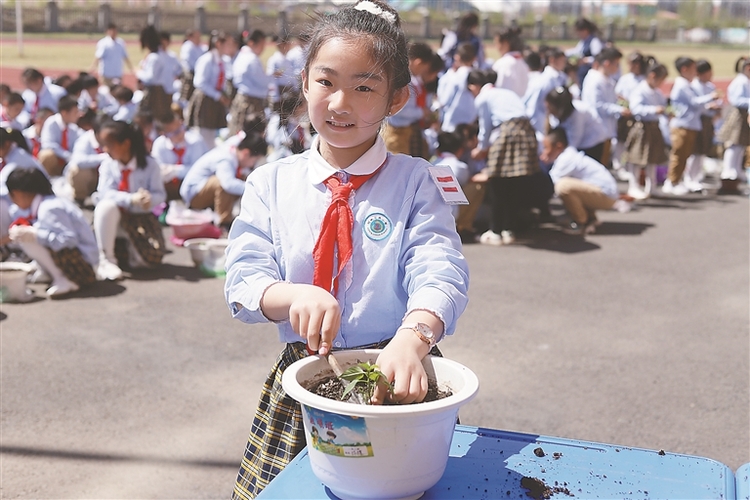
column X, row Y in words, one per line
column 379, row 452
column 13, row 282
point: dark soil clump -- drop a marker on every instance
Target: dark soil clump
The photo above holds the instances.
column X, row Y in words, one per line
column 539, row 490
column 331, row 387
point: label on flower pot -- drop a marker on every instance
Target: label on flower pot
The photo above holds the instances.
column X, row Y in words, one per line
column 338, row 435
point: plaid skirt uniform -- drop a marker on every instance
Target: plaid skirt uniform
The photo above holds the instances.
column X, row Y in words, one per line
column 205, row 112
column 74, row 266
column 244, row 106
column 515, row 152
column 157, row 101
column 735, row 131
column 624, row 124
column 645, row 144
column 278, row 433
column 704, row 144
column 145, row 236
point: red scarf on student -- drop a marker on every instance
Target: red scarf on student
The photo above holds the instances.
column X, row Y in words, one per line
column 335, row 237
column 36, row 147
column 64, row 138
column 180, row 152
column 220, row 80
column 125, row 181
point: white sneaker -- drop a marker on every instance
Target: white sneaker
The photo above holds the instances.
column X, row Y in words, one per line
column 676, row 190
column 622, row 206
column 694, row 186
column 61, row 286
column 491, row 238
column 108, row 271
column 508, row 237
column 637, row 193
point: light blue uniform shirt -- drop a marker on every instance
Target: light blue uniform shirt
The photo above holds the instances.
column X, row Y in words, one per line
column 599, row 93
column 48, row 97
column 148, row 178
column 221, row 162
column 157, row 69
column 86, row 151
column 207, row 71
column 537, row 91
column 456, row 101
column 583, row 127
column 52, row 133
column 687, row 104
column 111, row 53
column 17, row 157
column 163, row 151
column 644, row 100
column 494, row 106
column 410, row 113
column 407, row 254
column 189, row 54
column 575, row 164
column 738, row 92
column 61, row 224
column 627, row 83
column 248, row 75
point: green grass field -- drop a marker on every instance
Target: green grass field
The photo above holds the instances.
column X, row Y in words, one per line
column 75, row 52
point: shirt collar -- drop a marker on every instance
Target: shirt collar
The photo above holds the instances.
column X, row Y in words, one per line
column 320, row 170
column 130, row 165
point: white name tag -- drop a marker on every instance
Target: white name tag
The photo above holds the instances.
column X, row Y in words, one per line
column 448, row 186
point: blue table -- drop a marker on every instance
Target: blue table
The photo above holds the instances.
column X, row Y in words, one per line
column 743, row 482
column 490, row 464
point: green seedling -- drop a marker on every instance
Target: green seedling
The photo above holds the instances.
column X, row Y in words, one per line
column 364, row 377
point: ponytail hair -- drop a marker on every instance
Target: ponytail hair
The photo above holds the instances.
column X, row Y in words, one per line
column 512, row 35
column 122, row 131
column 8, row 134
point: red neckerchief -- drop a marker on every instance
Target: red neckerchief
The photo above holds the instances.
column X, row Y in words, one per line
column 26, row 221
column 421, row 94
column 36, row 147
column 335, row 238
column 220, row 80
column 64, row 138
column 125, row 180
column 180, row 152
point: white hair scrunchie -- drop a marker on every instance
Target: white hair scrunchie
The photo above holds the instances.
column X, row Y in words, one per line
column 370, row 7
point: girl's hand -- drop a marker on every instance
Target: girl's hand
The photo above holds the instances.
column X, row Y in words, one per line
column 315, row 315
column 401, row 363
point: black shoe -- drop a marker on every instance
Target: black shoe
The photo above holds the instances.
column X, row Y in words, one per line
column 467, row 236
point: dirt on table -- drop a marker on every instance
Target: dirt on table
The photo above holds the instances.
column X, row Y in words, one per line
column 332, row 387
column 539, row 490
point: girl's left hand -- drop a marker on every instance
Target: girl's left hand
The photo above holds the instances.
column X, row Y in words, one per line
column 401, row 363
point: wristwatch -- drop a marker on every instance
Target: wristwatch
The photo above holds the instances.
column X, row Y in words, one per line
column 423, row 331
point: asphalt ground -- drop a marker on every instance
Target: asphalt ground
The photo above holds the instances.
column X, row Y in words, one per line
column 638, row 335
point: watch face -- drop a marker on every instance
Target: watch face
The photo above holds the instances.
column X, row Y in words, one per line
column 425, row 330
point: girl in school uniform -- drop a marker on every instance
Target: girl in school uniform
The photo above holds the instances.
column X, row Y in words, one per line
column 129, row 187
column 14, row 153
column 735, row 132
column 207, row 109
column 54, row 232
column 346, row 193
column 153, row 74
column 251, row 81
column 583, row 126
column 512, row 71
column 704, row 144
column 624, row 87
column 287, row 132
column 645, row 144
column 176, row 150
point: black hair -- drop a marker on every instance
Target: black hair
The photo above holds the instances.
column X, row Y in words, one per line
column 608, row 54
column 5, row 88
column 683, row 62
column 562, row 100
column 639, row 60
column 255, row 142
column 491, row 75
column 533, row 60
column 288, row 103
column 63, row 80
column 467, row 130
column 32, row 74
column 66, row 103
column 88, row 81
column 217, row 36
column 436, row 63
column 583, row 24
column 75, row 87
column 165, row 36
column 512, row 35
column 29, row 180
column 553, row 53
column 558, row 136
column 465, row 24
column 419, row 50
column 121, row 131
column 43, row 112
column 466, row 52
column 8, row 134
column 478, row 77
column 254, row 122
column 122, row 93
column 742, row 63
column 111, row 26
column 256, row 36
column 381, row 33
column 87, row 119
column 703, row 66
column 659, row 70
column 14, row 98
column 450, row 142
column 149, row 38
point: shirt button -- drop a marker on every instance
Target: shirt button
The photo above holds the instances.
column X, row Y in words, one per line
column 337, row 344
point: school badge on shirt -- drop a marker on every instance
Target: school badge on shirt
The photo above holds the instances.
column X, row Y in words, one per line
column 448, row 185
column 377, row 226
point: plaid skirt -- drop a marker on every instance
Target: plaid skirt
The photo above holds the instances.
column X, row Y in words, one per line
column 146, row 237
column 278, row 433
column 735, row 131
column 645, row 145
column 74, row 266
column 204, row 112
column 156, row 101
column 187, row 89
column 704, row 144
column 242, row 108
column 624, row 124
column 515, row 152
